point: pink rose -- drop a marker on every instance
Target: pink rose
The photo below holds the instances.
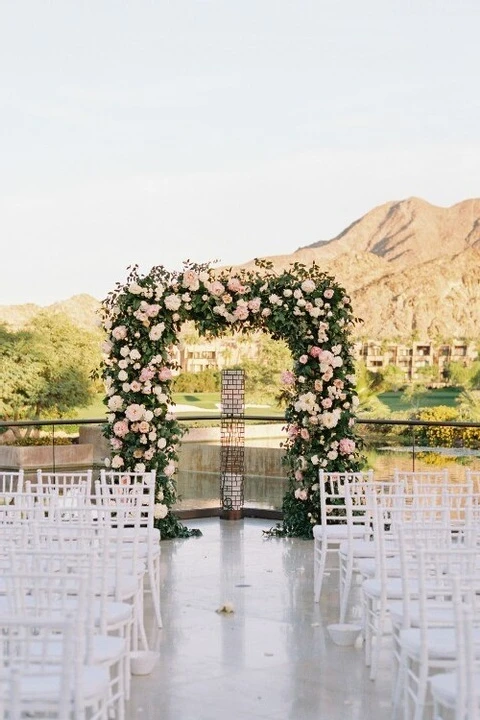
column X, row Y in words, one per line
column 301, row 494
column 298, row 475
column 120, row 428
column 119, row 332
column 304, row 434
column 146, row 374
column 328, row 293
column 254, row 305
column 241, row 312
column 315, row 351
column 152, row 310
column 234, row 285
column 165, row 374
column 134, row 412
column 216, row 288
column 287, row 377
column 303, row 359
column 293, row 431
column 346, row 446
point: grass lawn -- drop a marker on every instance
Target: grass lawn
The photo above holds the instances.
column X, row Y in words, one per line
column 441, row 396
column 199, row 401
column 209, row 401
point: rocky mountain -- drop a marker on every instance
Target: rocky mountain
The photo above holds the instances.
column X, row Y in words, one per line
column 411, row 268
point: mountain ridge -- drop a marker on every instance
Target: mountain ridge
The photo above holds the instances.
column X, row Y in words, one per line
column 411, row 268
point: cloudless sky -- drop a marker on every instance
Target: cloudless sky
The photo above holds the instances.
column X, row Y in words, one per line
column 157, row 131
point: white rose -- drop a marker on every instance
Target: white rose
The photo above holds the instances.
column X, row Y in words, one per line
column 308, row 286
column 160, row 511
column 172, row 302
column 134, row 288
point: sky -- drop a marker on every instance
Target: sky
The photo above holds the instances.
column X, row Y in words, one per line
column 153, row 132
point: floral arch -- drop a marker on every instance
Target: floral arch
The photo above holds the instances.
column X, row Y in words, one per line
column 301, row 305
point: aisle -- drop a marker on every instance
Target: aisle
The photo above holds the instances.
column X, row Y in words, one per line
column 271, row 659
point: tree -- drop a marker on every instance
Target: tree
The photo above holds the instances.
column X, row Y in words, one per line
column 262, row 375
column 368, row 385
column 46, row 368
column 20, row 371
column 393, row 378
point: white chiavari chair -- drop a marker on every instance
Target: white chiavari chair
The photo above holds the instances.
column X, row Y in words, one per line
column 111, row 483
column 338, row 524
column 42, row 674
column 457, row 692
column 420, row 477
column 431, row 647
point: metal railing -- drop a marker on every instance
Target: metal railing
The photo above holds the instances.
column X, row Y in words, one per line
column 214, row 417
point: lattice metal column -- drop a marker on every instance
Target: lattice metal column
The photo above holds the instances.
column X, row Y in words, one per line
column 232, row 450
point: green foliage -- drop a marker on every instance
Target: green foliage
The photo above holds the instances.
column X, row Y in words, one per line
column 466, row 376
column 172, row 527
column 441, row 436
column 263, row 373
column 45, row 368
column 393, row 378
column 197, row 382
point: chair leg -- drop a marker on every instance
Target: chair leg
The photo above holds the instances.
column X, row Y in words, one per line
column 154, row 580
column 319, row 569
column 369, row 613
column 380, row 624
column 422, row 688
column 345, row 585
column 398, row 683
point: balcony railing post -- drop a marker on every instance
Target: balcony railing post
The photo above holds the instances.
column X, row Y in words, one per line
column 413, row 448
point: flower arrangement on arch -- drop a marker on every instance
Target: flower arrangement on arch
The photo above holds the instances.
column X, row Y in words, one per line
column 302, row 305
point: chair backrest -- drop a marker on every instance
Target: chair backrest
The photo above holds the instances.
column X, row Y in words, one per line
column 63, row 483
column 335, row 488
column 428, row 477
column 10, row 482
column 466, row 619
column 129, row 487
column 41, row 649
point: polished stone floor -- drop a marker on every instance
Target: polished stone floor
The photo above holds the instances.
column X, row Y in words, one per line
column 272, row 658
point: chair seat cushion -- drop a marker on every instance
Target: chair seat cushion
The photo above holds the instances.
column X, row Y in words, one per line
column 435, row 615
column 361, row 548
column 339, row 531
column 440, row 642
column 373, row 588
column 94, row 680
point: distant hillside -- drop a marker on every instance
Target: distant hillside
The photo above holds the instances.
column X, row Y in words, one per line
column 412, row 270
column 81, row 309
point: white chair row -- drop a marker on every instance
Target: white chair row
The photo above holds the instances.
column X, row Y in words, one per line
column 116, row 524
column 379, row 529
